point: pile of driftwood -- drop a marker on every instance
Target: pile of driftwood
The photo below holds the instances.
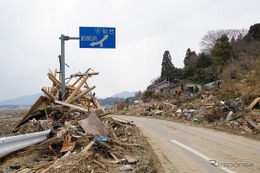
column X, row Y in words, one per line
column 80, row 134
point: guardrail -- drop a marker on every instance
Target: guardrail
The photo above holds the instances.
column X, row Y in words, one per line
column 14, row 143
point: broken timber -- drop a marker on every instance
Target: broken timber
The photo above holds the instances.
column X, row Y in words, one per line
column 253, row 103
column 252, row 123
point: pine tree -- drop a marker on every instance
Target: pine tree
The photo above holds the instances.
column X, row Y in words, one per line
column 222, row 50
column 167, row 66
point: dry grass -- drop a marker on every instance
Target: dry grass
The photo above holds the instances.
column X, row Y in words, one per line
column 20, row 158
column 242, row 78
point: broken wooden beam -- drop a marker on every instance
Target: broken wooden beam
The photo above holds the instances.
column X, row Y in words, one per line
column 93, row 97
column 252, row 123
column 253, row 103
column 85, row 150
column 49, row 95
column 124, row 144
column 77, row 89
column 121, row 120
column 79, row 78
column 71, row 105
column 54, row 80
column 82, row 94
column 247, row 129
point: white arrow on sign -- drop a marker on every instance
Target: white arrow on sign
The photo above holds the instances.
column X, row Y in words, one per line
column 100, row 42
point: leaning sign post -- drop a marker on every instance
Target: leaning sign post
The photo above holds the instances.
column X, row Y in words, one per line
column 89, row 37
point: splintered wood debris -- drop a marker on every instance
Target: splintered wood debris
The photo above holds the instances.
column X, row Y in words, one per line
column 82, row 139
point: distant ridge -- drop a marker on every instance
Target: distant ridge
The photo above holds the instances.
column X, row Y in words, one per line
column 124, row 94
column 110, row 101
column 24, row 100
column 28, row 100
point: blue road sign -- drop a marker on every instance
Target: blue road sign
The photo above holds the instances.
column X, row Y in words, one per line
column 97, row 37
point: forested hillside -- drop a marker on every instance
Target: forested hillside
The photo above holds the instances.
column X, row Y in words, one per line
column 232, row 56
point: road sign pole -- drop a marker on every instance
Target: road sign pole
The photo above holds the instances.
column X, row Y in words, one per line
column 64, row 38
column 62, row 66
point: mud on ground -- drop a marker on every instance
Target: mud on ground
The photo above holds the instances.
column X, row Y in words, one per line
column 8, row 119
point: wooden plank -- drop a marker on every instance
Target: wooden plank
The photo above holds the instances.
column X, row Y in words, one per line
column 96, row 103
column 121, row 120
column 54, row 80
column 253, row 103
column 57, row 94
column 87, row 147
column 40, row 104
column 252, row 123
column 256, row 117
column 83, row 93
column 77, row 89
column 50, row 96
column 50, row 71
column 247, row 129
column 80, row 78
column 55, row 91
column 70, row 105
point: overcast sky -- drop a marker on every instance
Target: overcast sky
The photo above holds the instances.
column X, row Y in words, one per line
column 30, row 31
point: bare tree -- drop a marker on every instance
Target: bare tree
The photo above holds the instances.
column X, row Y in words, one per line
column 190, row 59
column 208, row 41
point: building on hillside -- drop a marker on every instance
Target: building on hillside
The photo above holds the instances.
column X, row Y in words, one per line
column 213, row 85
column 175, row 89
column 167, row 87
column 191, row 87
column 160, row 87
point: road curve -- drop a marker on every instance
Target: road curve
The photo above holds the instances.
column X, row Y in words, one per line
column 182, row 148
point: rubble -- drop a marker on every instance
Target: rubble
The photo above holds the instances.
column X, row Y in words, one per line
column 81, row 137
column 205, row 108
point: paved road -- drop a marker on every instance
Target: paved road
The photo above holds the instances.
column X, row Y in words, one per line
column 182, row 148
